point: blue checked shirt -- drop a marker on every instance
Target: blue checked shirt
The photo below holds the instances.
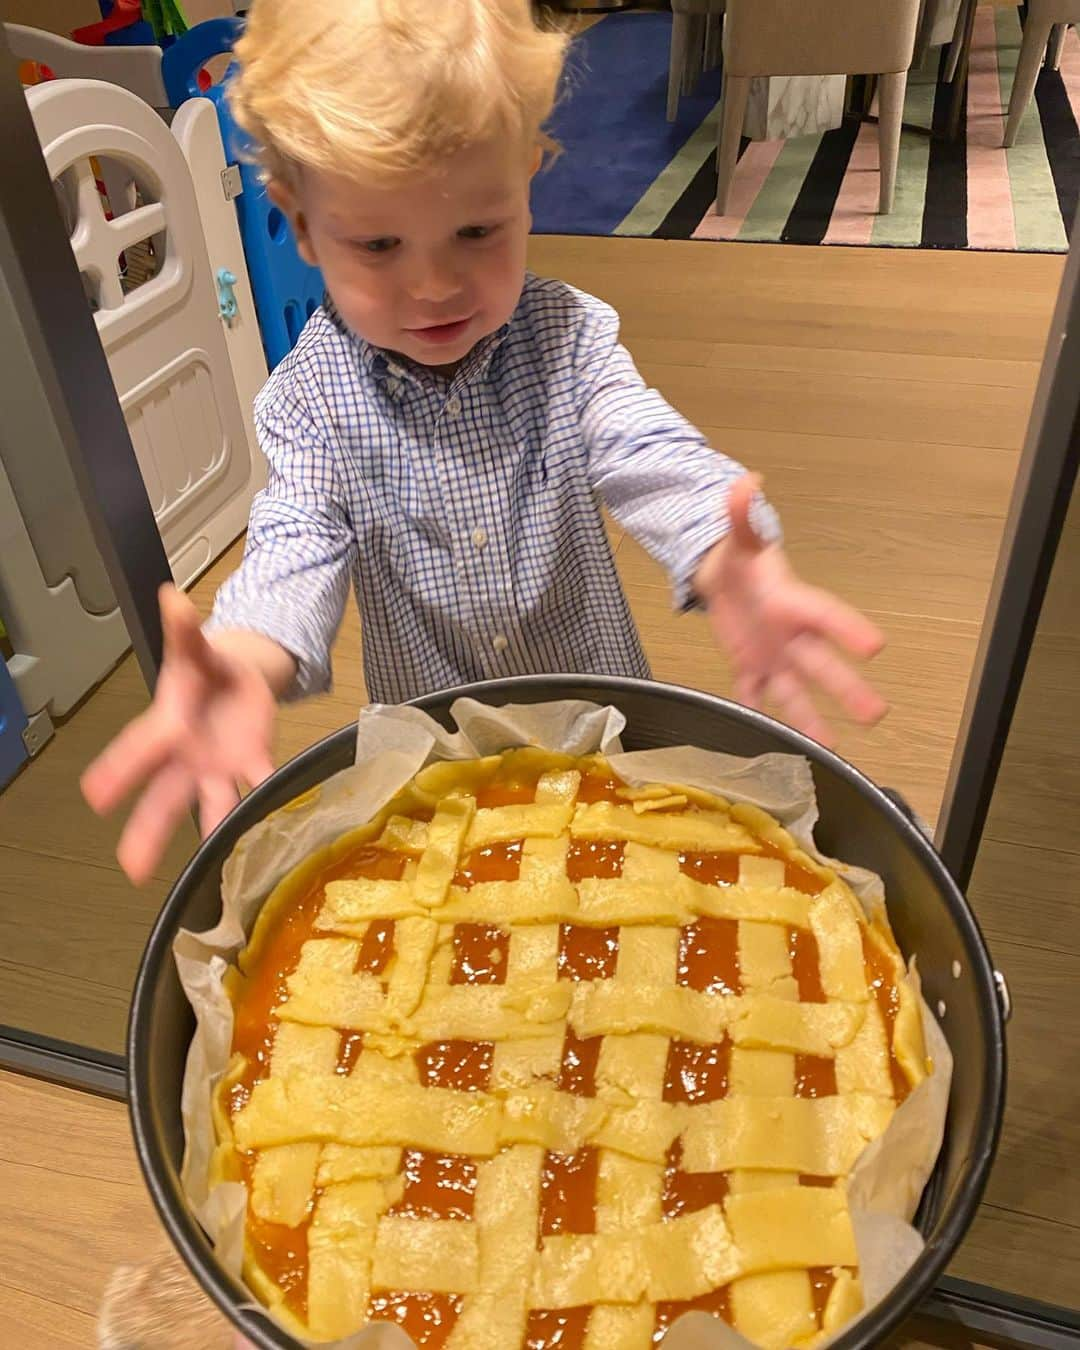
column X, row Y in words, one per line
column 465, row 511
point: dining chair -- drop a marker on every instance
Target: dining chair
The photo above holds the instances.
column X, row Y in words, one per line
column 1044, row 19
column 1057, row 43
column 939, row 22
column 696, row 26
column 817, row 37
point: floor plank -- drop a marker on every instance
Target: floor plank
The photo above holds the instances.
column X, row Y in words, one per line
column 1035, row 1172
column 964, row 481
column 985, row 305
column 928, row 411
column 74, row 1207
column 890, row 559
column 1010, row 878
column 1010, row 1251
column 37, row 1323
column 731, row 353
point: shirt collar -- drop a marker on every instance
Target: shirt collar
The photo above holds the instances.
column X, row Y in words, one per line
column 383, row 366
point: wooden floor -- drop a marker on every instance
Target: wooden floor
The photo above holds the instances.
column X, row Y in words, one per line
column 883, row 394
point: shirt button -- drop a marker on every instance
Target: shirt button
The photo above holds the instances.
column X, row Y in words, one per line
column 453, row 406
column 500, row 643
column 479, row 537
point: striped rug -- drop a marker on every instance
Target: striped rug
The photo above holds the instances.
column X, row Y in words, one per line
column 625, row 171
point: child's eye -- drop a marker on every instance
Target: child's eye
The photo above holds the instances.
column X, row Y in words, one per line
column 378, row 245
column 477, row 231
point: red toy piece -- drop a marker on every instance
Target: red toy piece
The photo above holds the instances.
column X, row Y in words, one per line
column 124, row 14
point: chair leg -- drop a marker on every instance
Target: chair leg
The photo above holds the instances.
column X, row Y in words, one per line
column 1057, row 42
column 680, row 45
column 714, row 39
column 922, row 33
column 736, row 95
column 891, row 90
column 1032, row 50
column 956, row 46
column 695, row 53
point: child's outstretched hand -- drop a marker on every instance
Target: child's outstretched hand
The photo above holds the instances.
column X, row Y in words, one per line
column 784, row 638
column 208, row 728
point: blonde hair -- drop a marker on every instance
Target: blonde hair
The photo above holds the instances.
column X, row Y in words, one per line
column 384, row 88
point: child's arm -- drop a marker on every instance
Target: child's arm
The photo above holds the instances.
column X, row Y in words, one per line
column 293, row 583
column 210, row 724
column 701, row 515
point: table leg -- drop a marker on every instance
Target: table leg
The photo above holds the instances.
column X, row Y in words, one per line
column 960, row 81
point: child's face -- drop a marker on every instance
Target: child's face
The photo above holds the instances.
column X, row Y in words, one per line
column 425, row 268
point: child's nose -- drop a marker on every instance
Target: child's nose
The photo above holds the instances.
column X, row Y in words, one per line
column 434, row 281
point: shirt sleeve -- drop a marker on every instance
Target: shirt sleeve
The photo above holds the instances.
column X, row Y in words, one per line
column 655, row 472
column 294, row 579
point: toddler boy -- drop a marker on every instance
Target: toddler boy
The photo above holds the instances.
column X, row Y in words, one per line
column 447, row 426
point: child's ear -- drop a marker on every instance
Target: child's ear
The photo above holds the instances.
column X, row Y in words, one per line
column 537, row 161
column 284, row 198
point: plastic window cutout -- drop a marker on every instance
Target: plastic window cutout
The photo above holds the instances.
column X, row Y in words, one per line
column 294, row 320
column 93, row 193
column 124, row 193
column 141, row 263
column 275, row 225
column 214, row 70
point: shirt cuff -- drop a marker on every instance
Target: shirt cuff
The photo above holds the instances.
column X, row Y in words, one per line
column 313, row 673
column 705, row 530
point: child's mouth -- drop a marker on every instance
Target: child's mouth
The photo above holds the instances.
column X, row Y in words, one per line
column 441, row 332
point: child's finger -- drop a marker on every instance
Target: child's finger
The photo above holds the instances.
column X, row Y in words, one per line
column 820, row 664
column 181, row 626
column 217, row 797
column 257, row 767
column 153, row 821
column 790, row 695
column 740, row 499
column 839, row 622
column 128, row 760
column 748, row 692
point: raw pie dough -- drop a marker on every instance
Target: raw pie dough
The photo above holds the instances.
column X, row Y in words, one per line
column 535, row 1059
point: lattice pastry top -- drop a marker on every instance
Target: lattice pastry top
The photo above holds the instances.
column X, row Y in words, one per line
column 535, row 1059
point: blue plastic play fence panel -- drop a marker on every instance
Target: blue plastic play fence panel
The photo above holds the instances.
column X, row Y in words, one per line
column 287, row 290
column 13, row 752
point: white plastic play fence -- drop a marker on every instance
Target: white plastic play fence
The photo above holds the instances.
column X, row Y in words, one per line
column 154, row 234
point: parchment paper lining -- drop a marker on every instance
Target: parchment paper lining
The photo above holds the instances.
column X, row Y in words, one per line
column 392, row 745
